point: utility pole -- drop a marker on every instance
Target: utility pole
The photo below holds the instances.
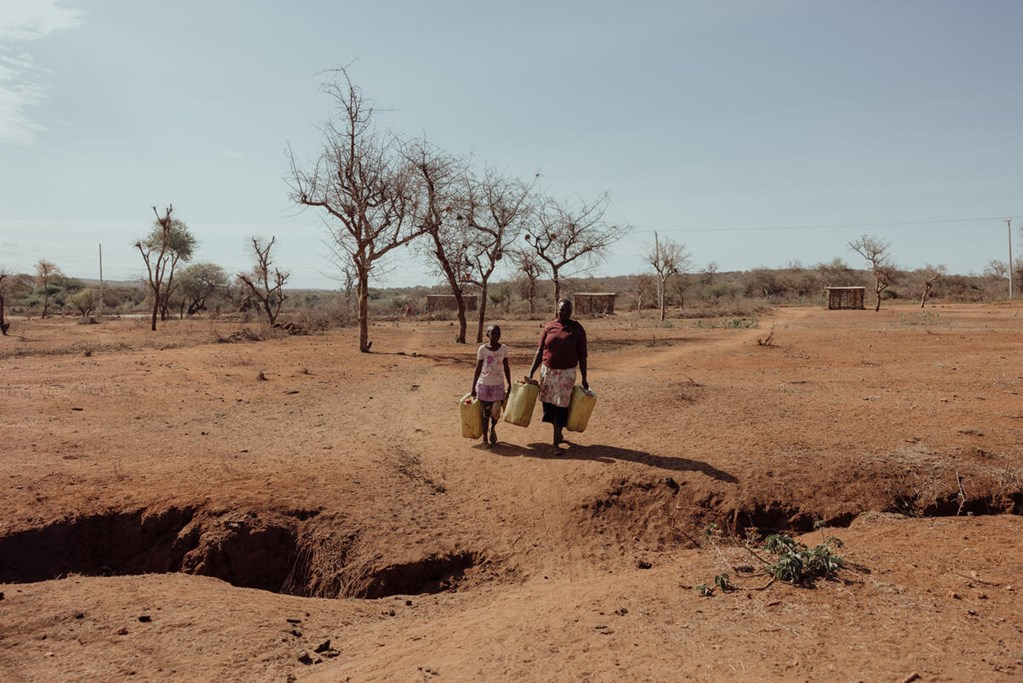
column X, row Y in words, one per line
column 660, row 280
column 1008, row 223
column 100, row 315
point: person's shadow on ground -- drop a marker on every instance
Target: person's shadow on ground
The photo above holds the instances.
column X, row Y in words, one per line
column 609, row 454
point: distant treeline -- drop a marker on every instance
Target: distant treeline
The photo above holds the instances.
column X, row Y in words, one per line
column 687, row 294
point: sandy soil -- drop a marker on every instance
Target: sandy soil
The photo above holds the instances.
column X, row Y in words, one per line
column 189, row 505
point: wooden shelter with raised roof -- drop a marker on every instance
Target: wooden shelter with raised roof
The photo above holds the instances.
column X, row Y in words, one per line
column 845, row 298
column 595, row 303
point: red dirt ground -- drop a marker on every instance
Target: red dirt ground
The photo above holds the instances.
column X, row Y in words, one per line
column 181, row 509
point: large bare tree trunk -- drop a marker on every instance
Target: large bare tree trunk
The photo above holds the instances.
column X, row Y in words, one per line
column 444, row 261
column 364, row 342
column 156, row 309
column 463, row 323
column 660, row 295
column 482, row 314
column 456, row 289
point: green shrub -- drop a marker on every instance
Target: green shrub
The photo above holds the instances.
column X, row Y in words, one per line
column 798, row 564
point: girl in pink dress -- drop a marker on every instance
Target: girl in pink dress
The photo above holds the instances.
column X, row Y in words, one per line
column 491, row 380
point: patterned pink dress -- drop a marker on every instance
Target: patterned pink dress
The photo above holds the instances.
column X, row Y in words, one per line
column 490, row 385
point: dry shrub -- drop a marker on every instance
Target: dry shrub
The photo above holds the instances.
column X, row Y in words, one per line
column 327, row 566
column 741, row 308
column 322, row 319
column 245, row 334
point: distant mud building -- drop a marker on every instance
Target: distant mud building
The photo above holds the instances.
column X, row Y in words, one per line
column 438, row 303
column 845, row 298
column 595, row 303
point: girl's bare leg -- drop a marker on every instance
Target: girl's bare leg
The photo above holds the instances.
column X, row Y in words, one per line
column 486, row 418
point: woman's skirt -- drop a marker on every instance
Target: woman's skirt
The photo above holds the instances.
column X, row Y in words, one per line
column 556, row 393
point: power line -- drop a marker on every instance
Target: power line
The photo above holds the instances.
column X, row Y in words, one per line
column 827, row 227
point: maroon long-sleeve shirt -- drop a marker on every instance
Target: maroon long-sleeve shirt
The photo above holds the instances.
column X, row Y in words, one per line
column 564, row 345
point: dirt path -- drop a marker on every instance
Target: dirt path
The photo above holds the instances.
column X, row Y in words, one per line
column 302, row 466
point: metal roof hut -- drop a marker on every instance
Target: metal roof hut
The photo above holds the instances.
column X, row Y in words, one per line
column 447, row 302
column 845, row 298
column 595, row 303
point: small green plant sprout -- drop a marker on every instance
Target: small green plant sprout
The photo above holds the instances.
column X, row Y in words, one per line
column 798, row 564
column 705, row 591
column 779, row 544
column 724, row 583
column 711, row 532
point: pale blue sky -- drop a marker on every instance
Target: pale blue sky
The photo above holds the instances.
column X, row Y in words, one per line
column 755, row 132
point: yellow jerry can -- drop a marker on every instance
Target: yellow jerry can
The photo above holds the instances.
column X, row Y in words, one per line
column 518, row 409
column 580, row 408
column 471, row 412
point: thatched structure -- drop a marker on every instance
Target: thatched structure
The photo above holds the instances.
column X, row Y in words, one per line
column 845, row 297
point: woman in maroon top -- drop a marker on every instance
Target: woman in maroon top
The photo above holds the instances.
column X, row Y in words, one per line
column 562, row 347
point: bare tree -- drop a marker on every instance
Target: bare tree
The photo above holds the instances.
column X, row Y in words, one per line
column 46, row 272
column 497, row 211
column 438, row 191
column 529, row 266
column 875, row 251
column 931, row 274
column 709, row 273
column 644, row 286
column 997, row 269
column 667, row 258
column 362, row 181
column 266, row 287
column 168, row 243
column 578, row 238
